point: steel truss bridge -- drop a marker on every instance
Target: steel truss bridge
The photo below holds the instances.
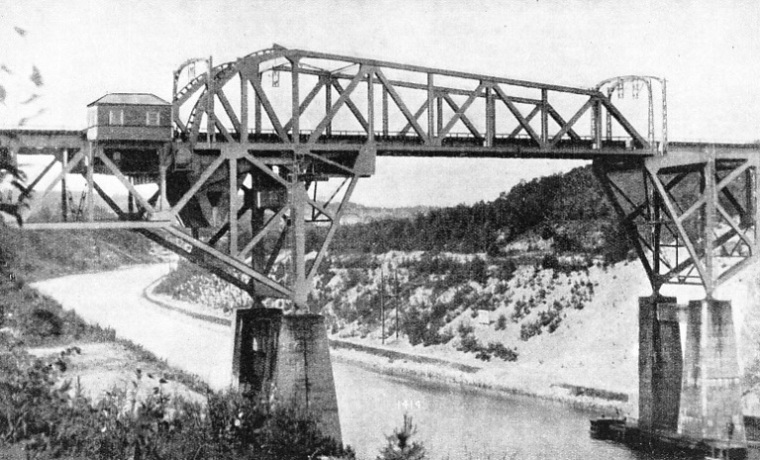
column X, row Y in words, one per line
column 251, row 140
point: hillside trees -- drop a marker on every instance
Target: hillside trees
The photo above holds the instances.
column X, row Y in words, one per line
column 547, row 201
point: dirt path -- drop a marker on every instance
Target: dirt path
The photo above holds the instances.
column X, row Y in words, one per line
column 115, row 299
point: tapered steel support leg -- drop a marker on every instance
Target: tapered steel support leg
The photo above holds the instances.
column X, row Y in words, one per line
column 64, row 189
column 301, row 288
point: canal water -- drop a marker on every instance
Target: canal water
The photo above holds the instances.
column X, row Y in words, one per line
column 454, row 423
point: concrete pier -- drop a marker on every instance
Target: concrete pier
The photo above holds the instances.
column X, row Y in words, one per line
column 660, row 364
column 711, row 392
column 287, row 356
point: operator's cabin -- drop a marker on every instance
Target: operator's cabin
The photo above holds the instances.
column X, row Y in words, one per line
column 131, row 128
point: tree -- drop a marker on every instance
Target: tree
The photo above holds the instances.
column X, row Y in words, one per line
column 8, row 170
column 399, row 448
column 21, row 96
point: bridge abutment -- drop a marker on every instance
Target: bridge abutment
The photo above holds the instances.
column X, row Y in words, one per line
column 287, row 356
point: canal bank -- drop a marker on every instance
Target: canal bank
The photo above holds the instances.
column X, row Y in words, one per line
column 455, row 418
column 424, row 369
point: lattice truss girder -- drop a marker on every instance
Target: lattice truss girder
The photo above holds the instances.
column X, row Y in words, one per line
column 429, row 108
column 692, row 217
column 276, row 200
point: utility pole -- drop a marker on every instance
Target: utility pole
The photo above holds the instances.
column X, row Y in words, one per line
column 382, row 303
column 398, row 304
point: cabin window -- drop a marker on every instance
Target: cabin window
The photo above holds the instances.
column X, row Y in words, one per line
column 116, row 117
column 153, row 118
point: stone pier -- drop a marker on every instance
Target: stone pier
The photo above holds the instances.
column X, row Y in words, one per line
column 711, row 394
column 290, row 356
column 660, row 364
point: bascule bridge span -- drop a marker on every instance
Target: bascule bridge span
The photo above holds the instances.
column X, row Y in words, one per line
column 248, row 153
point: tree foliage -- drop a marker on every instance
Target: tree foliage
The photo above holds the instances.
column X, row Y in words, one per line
column 539, row 203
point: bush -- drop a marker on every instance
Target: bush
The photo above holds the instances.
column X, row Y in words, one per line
column 528, row 330
column 37, row 407
column 501, row 323
column 399, row 446
column 500, row 351
column 469, row 344
column 550, row 261
column 42, row 323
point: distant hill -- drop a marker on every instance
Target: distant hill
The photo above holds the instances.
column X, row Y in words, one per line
column 360, row 214
column 570, row 208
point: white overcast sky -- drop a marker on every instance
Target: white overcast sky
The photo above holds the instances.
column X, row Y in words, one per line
column 708, row 51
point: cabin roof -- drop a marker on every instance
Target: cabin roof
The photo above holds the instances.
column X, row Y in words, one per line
column 129, row 99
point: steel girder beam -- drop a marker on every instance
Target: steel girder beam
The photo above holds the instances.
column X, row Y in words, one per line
column 225, row 173
column 692, row 217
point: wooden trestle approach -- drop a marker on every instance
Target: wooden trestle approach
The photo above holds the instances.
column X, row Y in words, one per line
column 249, row 152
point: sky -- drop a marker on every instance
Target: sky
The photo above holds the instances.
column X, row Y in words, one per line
column 707, row 50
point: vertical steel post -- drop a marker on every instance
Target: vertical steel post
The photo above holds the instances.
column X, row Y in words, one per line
column 664, row 116
column 749, row 202
column 490, row 117
column 163, row 201
column 430, row 109
column 371, row 106
column 656, row 218
column 243, row 109
column 298, row 200
column 257, row 104
column 650, row 124
column 90, row 178
column 385, row 112
column 210, row 103
column 175, row 107
column 295, row 102
column 64, row 190
column 597, row 123
column 544, row 117
column 609, row 115
column 130, row 199
column 439, row 111
column 233, row 191
column 709, row 223
column 328, row 105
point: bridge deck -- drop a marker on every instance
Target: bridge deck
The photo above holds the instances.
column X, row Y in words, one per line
column 394, row 144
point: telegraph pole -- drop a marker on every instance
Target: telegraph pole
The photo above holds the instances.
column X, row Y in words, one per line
column 382, row 303
column 398, row 304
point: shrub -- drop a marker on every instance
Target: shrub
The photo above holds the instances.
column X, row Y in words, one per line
column 550, row 261
column 469, row 344
column 528, row 330
column 501, row 323
column 464, row 329
column 500, row 351
column 399, row 446
column 37, row 407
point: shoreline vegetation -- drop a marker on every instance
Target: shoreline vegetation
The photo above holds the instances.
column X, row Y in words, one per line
column 72, row 390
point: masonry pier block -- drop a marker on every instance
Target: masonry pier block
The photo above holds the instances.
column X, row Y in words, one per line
column 289, row 356
column 660, row 365
column 711, row 393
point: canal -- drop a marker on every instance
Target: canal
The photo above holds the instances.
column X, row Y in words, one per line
column 454, row 423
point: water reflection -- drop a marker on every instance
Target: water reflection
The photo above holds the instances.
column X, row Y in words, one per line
column 455, row 423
